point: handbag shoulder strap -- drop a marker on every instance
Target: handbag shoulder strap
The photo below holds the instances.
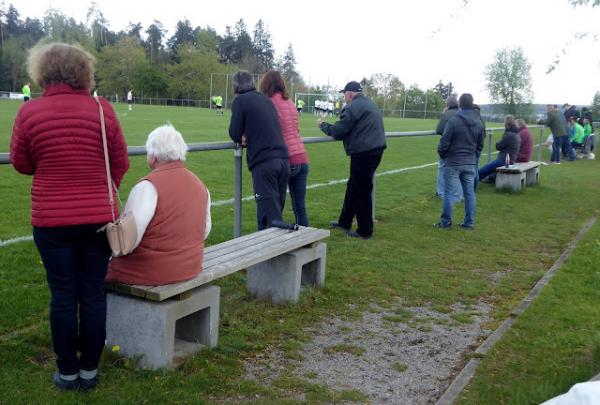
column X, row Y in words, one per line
column 111, row 199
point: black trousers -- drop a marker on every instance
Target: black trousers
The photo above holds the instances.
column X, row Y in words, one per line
column 270, row 181
column 76, row 261
column 357, row 202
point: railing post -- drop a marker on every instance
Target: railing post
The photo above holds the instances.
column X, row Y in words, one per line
column 237, row 199
column 489, row 152
column 540, row 144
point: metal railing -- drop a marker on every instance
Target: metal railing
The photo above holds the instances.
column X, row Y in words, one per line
column 238, row 167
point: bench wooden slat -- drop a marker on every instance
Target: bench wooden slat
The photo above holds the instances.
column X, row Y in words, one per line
column 211, row 255
column 214, row 251
column 518, row 167
column 286, row 243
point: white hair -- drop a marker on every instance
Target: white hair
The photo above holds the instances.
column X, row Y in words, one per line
column 166, row 144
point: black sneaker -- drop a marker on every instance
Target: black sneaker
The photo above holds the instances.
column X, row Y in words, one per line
column 439, row 225
column 86, row 384
column 335, row 224
column 469, row 227
column 65, row 385
column 354, row 234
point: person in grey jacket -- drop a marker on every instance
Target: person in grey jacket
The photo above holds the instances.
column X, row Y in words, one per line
column 460, row 147
column 361, row 129
column 449, row 112
column 508, row 146
column 560, row 131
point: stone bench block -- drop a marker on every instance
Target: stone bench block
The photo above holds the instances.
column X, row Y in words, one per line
column 511, row 181
column 280, row 278
column 163, row 332
column 532, row 176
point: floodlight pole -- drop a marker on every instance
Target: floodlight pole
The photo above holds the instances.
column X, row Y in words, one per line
column 210, row 95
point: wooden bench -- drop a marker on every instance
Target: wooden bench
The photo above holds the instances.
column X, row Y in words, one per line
column 516, row 176
column 162, row 324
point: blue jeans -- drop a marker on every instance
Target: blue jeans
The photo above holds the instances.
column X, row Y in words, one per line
column 297, row 186
column 556, row 148
column 457, row 194
column 466, row 175
column 489, row 168
column 76, row 261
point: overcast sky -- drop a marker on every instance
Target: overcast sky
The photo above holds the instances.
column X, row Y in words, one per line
column 420, row 41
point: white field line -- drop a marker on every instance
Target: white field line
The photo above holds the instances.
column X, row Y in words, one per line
column 251, row 197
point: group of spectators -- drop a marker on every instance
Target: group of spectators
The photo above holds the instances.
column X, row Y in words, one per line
column 58, row 139
column 572, row 133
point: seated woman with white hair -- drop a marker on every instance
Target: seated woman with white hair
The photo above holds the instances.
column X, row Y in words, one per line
column 171, row 207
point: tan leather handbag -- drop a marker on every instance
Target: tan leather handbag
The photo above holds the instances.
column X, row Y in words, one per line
column 122, row 231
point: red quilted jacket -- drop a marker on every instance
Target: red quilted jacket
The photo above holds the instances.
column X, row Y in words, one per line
column 288, row 120
column 57, row 138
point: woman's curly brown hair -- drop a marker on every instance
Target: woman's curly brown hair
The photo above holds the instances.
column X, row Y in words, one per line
column 61, row 63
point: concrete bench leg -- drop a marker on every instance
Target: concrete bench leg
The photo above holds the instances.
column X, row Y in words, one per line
column 512, row 181
column 532, row 176
column 280, row 278
column 162, row 332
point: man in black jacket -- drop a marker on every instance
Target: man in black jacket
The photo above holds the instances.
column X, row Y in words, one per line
column 460, row 147
column 254, row 123
column 361, row 129
column 449, row 112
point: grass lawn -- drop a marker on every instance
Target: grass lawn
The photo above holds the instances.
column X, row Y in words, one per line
column 517, row 235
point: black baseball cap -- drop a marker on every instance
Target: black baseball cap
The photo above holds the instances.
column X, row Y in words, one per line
column 352, row 86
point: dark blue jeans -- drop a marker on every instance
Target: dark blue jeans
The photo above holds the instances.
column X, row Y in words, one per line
column 76, row 261
column 297, row 186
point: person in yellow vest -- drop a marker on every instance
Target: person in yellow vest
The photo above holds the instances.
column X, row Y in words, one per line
column 26, row 92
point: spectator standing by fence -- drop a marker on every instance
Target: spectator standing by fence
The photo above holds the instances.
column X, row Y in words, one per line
column 449, row 111
column 273, row 86
column 460, row 147
column 557, row 124
column 361, row 129
column 57, row 138
column 254, row 123
column 130, row 99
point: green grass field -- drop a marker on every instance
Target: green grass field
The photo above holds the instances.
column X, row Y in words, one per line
column 519, row 235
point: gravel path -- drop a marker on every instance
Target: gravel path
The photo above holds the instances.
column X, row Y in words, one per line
column 393, row 355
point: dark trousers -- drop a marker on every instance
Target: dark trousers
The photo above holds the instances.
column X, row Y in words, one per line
column 270, row 181
column 76, row 261
column 297, row 186
column 357, row 201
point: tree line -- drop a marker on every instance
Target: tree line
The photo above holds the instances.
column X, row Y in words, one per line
column 179, row 66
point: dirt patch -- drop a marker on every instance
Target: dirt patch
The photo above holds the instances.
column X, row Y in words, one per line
column 393, row 355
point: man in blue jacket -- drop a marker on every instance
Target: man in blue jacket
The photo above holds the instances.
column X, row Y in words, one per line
column 254, row 123
column 460, row 147
column 361, row 129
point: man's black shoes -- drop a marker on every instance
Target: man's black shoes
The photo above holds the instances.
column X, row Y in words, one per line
column 354, row 234
column 336, row 225
column 440, row 225
column 65, row 385
column 467, row 227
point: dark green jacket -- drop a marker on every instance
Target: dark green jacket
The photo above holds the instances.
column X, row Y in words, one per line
column 360, row 126
column 556, row 123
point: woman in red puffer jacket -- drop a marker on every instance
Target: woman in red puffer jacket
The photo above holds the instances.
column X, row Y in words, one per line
column 273, row 86
column 58, row 139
